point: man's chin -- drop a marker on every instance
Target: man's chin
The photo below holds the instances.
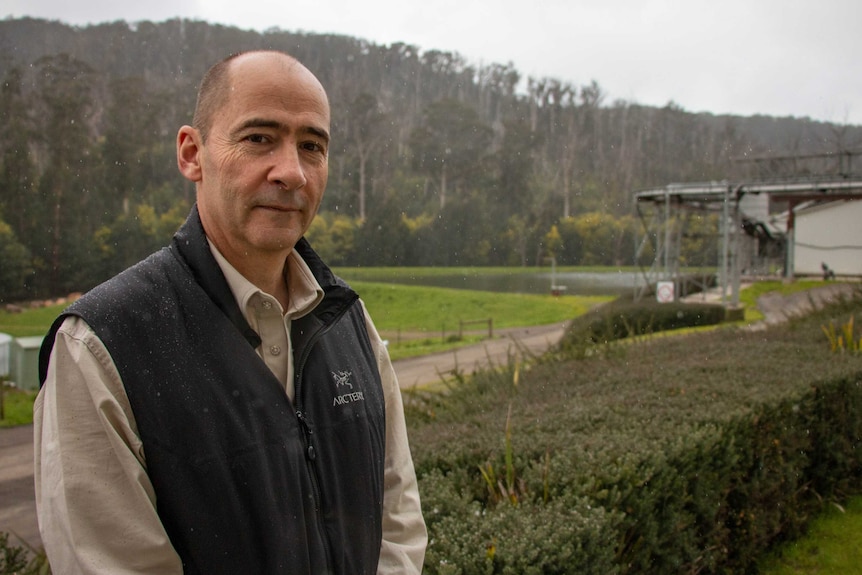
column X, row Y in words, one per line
column 276, row 244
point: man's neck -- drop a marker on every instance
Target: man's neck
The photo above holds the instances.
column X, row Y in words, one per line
column 267, row 273
column 269, row 276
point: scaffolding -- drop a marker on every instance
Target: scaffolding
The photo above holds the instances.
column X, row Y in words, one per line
column 743, row 210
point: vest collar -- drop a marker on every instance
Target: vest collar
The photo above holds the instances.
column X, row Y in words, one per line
column 191, row 247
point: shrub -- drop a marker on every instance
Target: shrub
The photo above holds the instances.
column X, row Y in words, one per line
column 691, row 454
column 18, row 560
column 624, row 318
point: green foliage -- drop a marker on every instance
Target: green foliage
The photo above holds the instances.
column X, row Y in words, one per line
column 16, row 267
column 832, row 544
column 13, row 559
column 692, row 454
column 596, row 238
column 843, row 338
column 624, row 318
column 133, row 236
column 333, row 237
column 21, row 560
column 16, row 406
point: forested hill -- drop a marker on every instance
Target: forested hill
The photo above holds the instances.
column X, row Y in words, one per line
column 435, row 161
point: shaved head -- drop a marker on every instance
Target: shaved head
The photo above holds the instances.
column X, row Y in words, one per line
column 214, row 90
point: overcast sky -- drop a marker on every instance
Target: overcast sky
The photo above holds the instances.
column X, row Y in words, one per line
column 773, row 57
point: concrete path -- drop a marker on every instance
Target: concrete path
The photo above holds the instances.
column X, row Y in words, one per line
column 509, row 343
column 17, row 494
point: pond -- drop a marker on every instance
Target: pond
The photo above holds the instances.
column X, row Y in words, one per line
column 571, row 283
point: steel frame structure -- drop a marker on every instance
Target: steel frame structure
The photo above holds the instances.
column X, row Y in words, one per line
column 664, row 213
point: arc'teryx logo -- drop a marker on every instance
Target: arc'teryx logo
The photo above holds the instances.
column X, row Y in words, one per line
column 343, row 383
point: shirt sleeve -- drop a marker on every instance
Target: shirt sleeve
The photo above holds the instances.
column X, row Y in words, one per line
column 95, row 503
column 404, row 534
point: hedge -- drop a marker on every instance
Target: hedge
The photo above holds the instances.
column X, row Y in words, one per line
column 624, row 318
column 691, row 454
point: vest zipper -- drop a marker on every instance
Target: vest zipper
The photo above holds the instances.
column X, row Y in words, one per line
column 310, row 453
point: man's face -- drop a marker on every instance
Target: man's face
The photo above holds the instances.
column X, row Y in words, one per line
column 263, row 168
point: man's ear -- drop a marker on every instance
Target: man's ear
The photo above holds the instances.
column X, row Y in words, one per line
column 189, row 149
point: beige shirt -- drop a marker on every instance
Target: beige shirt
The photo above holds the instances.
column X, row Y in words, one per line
column 95, row 503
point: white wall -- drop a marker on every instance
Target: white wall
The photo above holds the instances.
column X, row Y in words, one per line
column 830, row 233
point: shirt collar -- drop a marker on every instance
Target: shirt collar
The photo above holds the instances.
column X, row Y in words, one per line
column 304, row 292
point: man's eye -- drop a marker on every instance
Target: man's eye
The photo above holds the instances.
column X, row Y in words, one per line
column 313, row 147
column 256, row 139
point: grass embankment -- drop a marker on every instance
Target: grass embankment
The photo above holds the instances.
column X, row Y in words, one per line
column 421, row 320
column 748, row 297
column 833, row 545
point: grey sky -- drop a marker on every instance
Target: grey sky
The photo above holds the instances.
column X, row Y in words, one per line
column 773, row 57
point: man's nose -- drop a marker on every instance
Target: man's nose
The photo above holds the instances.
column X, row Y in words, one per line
column 287, row 170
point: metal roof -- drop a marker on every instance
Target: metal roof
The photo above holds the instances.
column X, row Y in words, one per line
column 797, row 189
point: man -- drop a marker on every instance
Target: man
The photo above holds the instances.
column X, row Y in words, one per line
column 226, row 405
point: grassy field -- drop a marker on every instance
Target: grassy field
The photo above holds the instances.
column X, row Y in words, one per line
column 416, row 320
column 16, row 407
column 352, row 274
column 435, row 310
column 833, row 545
column 29, row 322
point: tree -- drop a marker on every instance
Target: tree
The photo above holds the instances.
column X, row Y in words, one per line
column 133, row 235
column 68, row 182
column 131, row 137
column 364, row 125
column 384, row 238
column 515, row 161
column 596, row 238
column 451, row 145
column 17, row 172
column 333, row 237
column 423, row 137
column 16, row 268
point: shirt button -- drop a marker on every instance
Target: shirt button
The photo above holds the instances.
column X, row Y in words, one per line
column 275, row 350
column 267, row 304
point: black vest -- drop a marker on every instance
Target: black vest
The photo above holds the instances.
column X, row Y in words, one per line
column 246, row 481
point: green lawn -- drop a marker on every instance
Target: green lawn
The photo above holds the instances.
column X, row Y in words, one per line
column 29, row 322
column 16, row 406
column 748, row 296
column 833, row 546
column 433, row 310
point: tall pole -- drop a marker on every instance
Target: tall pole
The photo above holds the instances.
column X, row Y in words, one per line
column 725, row 242
column 737, row 227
